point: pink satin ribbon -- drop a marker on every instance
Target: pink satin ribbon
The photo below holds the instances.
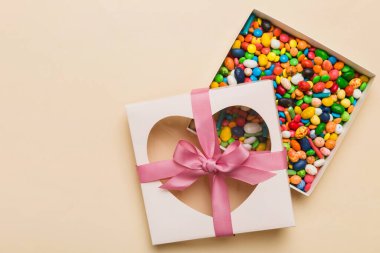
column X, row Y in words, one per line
column 189, row 163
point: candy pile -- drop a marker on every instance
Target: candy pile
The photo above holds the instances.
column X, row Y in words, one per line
column 315, row 93
column 244, row 124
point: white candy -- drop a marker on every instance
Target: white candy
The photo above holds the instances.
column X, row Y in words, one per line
column 248, row 71
column 252, row 128
column 312, row 134
column 247, row 146
column 319, row 163
column 285, row 83
column 331, row 117
column 286, row 134
column 311, row 169
column 231, row 80
column 357, row 93
column 250, row 63
column 338, row 129
column 275, row 44
column 250, row 140
column 245, row 108
column 325, row 151
column 297, row 78
column 318, row 111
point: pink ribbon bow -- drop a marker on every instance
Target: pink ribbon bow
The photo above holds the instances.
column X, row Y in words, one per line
column 189, row 163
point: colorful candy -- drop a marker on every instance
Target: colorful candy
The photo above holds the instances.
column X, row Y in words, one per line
column 315, row 93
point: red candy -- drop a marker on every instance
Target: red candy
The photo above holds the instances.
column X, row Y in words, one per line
column 284, row 38
column 303, row 86
column 319, row 87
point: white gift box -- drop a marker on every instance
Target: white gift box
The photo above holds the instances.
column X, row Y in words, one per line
column 170, row 220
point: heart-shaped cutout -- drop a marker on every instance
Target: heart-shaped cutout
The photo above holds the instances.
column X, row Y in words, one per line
column 166, row 133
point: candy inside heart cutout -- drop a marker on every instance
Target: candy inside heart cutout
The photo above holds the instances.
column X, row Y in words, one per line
column 165, row 135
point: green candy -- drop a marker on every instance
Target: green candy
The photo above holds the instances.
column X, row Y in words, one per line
column 325, row 78
column 286, row 145
column 242, row 59
column 321, row 53
column 346, row 68
column 224, row 144
column 299, row 102
column 316, row 79
column 293, row 62
column 291, row 172
column 292, row 88
column 337, row 108
column 363, row 86
column 276, row 51
column 342, row 83
column 255, row 144
column 307, row 99
column 223, row 71
column 299, row 54
column 352, row 99
column 249, row 55
column 291, row 112
column 301, row 173
column 320, row 128
column 218, row 78
column 310, row 152
column 286, row 95
column 345, row 116
column 349, row 75
column 289, row 55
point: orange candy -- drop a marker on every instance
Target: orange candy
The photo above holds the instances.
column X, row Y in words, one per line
column 330, row 144
column 295, row 145
column 295, row 179
column 339, row 65
column 330, row 126
column 302, row 45
column 318, row 60
column 229, row 63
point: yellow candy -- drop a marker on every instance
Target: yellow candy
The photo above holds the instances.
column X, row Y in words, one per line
column 278, row 79
column 327, row 101
column 326, row 137
column 251, row 48
column 271, row 56
column 225, row 134
column 241, row 138
column 315, row 120
column 341, row 94
column 261, row 147
column 265, row 40
column 364, row 78
column 308, row 112
column 356, row 82
column 214, row 85
column 263, row 60
column 345, row 103
column 277, row 58
column 283, row 51
column 301, row 132
column 236, row 44
column 333, row 136
column 297, row 110
column 293, row 43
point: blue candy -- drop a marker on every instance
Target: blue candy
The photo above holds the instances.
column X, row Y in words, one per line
column 284, row 58
column 257, row 32
column 301, row 185
column 305, row 145
column 256, row 71
column 237, row 52
column 333, row 60
column 239, row 75
column 300, row 165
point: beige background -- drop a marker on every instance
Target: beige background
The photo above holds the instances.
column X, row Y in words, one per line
column 67, row 179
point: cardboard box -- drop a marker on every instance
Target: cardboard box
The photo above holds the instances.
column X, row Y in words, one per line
column 332, row 52
column 156, row 126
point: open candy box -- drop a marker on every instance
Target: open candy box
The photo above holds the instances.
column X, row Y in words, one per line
column 192, row 188
column 318, row 94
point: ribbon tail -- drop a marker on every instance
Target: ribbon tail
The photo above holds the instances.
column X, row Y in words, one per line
column 221, row 211
column 266, row 160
